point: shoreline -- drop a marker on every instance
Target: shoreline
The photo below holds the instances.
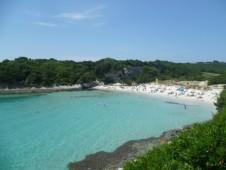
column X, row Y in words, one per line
column 40, row 90
column 169, row 92
column 128, row 151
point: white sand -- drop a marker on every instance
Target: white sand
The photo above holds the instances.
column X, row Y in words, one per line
column 173, row 92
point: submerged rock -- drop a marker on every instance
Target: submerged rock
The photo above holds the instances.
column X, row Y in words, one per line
column 128, row 151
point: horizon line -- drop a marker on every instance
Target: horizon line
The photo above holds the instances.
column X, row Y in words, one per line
column 114, row 58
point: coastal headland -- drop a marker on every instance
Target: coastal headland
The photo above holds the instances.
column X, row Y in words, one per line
column 127, row 151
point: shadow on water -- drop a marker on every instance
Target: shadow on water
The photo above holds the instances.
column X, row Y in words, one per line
column 88, row 96
column 180, row 104
column 93, row 94
column 9, row 98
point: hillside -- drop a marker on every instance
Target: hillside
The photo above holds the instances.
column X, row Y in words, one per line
column 25, row 72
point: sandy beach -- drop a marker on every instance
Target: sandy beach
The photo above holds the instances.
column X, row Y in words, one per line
column 172, row 92
column 175, row 93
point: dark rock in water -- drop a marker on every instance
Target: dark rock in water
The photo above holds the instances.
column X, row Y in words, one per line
column 185, row 106
column 88, row 85
column 128, row 151
column 170, row 134
column 187, row 127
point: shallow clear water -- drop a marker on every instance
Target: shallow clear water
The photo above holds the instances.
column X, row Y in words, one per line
column 46, row 132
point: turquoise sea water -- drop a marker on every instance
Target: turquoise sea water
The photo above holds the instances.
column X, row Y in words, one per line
column 47, row 131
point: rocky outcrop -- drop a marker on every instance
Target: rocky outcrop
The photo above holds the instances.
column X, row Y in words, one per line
column 128, row 151
column 40, row 90
column 88, row 85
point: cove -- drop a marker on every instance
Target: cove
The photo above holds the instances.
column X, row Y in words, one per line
column 47, row 131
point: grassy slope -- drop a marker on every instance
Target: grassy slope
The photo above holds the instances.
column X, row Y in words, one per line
column 202, row 147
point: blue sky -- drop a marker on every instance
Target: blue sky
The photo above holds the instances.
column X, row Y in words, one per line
column 175, row 30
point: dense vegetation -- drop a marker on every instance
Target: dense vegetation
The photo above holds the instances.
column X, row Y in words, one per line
column 220, row 79
column 24, row 72
column 202, row 147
